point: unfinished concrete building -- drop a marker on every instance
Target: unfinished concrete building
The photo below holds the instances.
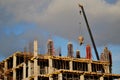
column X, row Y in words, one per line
column 34, row 66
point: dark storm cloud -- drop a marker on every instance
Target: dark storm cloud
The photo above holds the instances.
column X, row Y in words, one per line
column 59, row 17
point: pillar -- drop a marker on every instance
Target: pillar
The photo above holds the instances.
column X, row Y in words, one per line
column 5, row 65
column 35, row 60
column 24, row 71
column 35, row 67
column 38, row 69
column 81, row 77
column 50, row 66
column 89, row 67
column 46, row 69
column 60, row 76
column 50, row 78
column 71, row 65
column 14, row 66
column 14, row 61
column 101, row 78
column 106, row 67
column 36, row 78
column 35, row 48
column 5, row 77
column 29, row 68
column 14, row 74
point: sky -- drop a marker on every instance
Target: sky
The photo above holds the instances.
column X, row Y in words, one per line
column 22, row 21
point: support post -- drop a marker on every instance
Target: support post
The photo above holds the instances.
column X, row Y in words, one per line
column 24, row 71
column 14, row 66
column 82, row 77
column 106, row 67
column 29, row 68
column 50, row 78
column 14, row 61
column 35, row 67
column 101, row 78
column 60, row 76
column 71, row 65
column 5, row 65
column 35, row 58
column 5, row 77
column 35, row 48
column 36, row 78
column 89, row 67
column 14, row 74
column 50, row 66
column 46, row 69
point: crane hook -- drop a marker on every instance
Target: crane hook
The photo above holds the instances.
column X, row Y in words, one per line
column 81, row 40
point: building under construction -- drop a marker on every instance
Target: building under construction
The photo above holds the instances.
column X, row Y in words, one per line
column 34, row 66
column 31, row 65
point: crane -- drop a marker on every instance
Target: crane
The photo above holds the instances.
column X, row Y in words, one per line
column 89, row 30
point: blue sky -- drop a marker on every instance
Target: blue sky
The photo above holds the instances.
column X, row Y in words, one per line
column 112, row 1
column 22, row 21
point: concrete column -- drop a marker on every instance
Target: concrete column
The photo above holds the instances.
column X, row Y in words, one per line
column 14, row 61
column 5, row 77
column 35, row 60
column 24, row 71
column 35, row 48
column 107, row 69
column 29, row 68
column 71, row 65
column 35, row 67
column 5, row 68
column 101, row 78
column 38, row 69
column 46, row 69
column 5, row 65
column 81, row 77
column 14, row 66
column 89, row 67
column 36, row 78
column 50, row 78
column 50, row 66
column 60, row 76
column 14, row 74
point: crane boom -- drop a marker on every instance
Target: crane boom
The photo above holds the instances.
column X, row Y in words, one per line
column 90, row 33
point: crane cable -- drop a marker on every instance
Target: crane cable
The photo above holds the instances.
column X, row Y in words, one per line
column 80, row 38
